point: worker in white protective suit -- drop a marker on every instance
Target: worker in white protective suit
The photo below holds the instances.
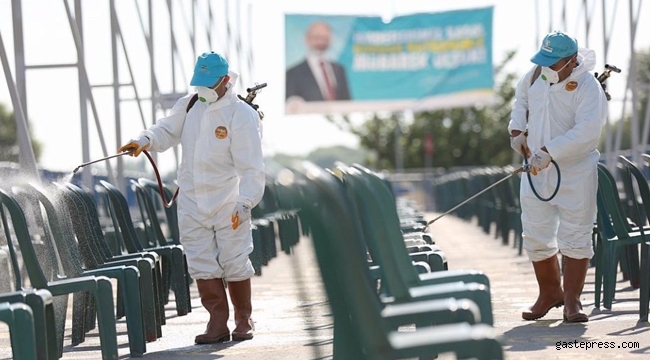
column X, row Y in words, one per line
column 563, row 112
column 221, row 177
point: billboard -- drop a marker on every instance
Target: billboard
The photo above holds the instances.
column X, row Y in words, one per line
column 421, row 61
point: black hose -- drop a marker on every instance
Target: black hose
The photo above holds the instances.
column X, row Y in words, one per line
column 557, row 187
column 161, row 189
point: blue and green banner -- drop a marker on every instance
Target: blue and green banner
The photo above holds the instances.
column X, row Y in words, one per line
column 419, row 62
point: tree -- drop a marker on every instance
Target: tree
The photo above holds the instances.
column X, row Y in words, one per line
column 324, row 157
column 327, row 157
column 471, row 136
column 9, row 138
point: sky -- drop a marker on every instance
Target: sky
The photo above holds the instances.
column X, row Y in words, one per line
column 53, row 107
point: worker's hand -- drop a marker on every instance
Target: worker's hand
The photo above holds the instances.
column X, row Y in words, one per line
column 240, row 214
column 135, row 146
column 518, row 143
column 540, row 161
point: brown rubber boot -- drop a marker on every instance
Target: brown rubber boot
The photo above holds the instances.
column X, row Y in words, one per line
column 215, row 300
column 547, row 273
column 575, row 271
column 240, row 295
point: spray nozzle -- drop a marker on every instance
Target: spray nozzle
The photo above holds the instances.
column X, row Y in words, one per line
column 102, row 159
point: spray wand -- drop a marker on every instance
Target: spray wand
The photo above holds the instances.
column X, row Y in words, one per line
column 98, row 160
column 525, row 168
column 161, row 189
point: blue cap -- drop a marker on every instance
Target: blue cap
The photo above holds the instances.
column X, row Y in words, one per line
column 556, row 45
column 209, row 68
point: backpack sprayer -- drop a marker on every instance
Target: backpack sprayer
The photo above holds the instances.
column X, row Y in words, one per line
column 604, row 76
column 526, row 167
column 252, row 93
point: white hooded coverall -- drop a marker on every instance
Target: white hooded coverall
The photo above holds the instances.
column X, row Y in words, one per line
column 567, row 118
column 221, row 164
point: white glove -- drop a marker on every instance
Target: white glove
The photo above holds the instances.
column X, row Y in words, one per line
column 519, row 141
column 240, row 214
column 540, row 161
column 135, row 146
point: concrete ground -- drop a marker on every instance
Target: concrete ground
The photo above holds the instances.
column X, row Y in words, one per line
column 291, row 316
column 293, row 322
column 513, row 287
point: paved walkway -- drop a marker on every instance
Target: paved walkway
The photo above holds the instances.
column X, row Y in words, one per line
column 513, row 286
column 290, row 310
column 293, row 321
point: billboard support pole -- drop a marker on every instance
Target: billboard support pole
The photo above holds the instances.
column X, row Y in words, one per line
column 399, row 149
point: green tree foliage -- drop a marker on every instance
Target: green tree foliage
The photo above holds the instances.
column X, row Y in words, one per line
column 472, row 136
column 327, row 157
column 9, row 137
column 378, row 135
column 323, row 157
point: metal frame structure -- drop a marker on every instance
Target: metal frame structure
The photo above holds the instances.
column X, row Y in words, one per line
column 26, row 153
column 225, row 30
column 190, row 18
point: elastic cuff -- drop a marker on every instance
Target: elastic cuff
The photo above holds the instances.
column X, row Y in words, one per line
column 579, row 253
column 246, row 202
column 536, row 256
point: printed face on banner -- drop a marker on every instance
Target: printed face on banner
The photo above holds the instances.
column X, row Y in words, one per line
column 424, row 61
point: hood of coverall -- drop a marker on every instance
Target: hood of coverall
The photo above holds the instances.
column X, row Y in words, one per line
column 233, row 80
column 586, row 62
column 229, row 96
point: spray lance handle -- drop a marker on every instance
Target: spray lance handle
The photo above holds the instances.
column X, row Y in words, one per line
column 604, row 76
column 252, row 92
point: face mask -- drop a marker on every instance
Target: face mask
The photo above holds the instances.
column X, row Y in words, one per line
column 551, row 75
column 208, row 95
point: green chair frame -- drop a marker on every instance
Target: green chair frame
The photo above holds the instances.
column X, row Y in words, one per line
column 642, row 212
column 40, row 302
column 128, row 277
column 20, row 319
column 613, row 232
column 156, row 238
column 171, row 213
column 99, row 286
column 361, row 330
column 96, row 254
column 404, row 284
column 172, row 254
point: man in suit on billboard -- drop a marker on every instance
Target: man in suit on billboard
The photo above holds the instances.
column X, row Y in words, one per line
column 316, row 78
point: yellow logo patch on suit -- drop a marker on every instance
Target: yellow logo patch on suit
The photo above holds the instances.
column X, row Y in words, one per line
column 221, row 132
column 571, row 85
